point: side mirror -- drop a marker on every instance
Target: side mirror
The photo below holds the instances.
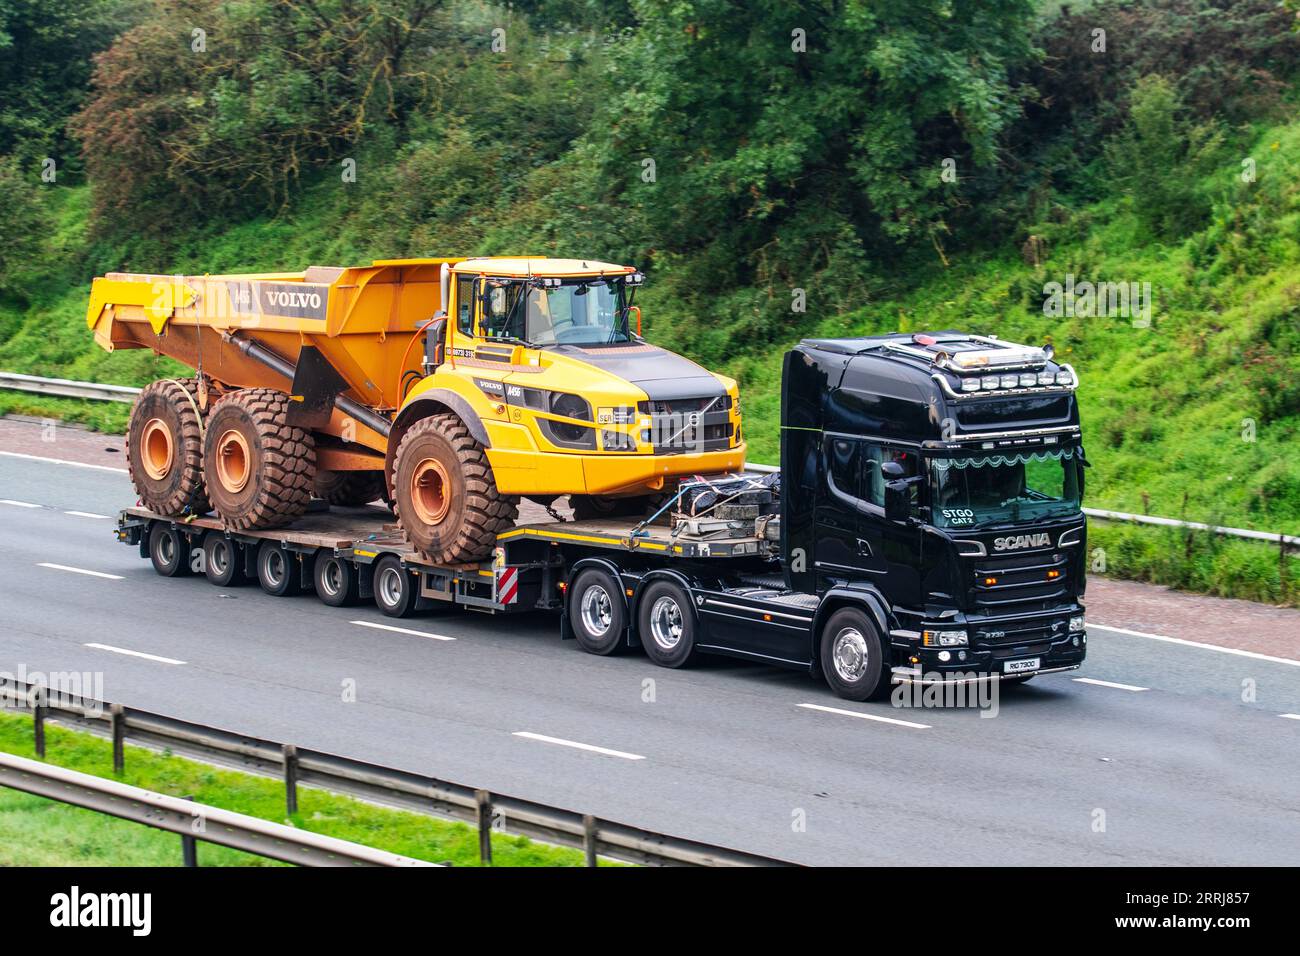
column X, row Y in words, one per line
column 892, row 470
column 898, row 498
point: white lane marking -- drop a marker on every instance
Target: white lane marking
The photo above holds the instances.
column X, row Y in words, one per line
column 17, row 504
column 61, row 461
column 579, row 746
column 1107, row 683
column 123, row 650
column 1204, row 647
column 64, row 567
column 855, row 713
column 1290, row 716
column 86, row 514
column 402, row 630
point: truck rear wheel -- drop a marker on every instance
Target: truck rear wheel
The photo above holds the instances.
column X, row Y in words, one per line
column 395, row 587
column 350, row 489
column 853, row 656
column 164, row 448
column 446, row 496
column 277, row 570
column 597, row 612
column 168, row 551
column 666, row 624
column 223, row 560
column 258, row 468
column 336, row 580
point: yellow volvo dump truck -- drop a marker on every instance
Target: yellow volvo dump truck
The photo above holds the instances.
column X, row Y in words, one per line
column 451, row 387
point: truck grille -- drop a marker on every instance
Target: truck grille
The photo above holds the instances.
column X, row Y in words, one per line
column 1019, row 583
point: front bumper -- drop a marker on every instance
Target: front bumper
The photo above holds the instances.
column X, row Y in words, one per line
column 916, row 664
column 530, row 472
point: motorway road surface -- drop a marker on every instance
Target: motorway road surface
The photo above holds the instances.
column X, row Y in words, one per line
column 1148, row 755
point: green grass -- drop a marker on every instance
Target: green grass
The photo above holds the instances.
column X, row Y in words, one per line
column 35, row 831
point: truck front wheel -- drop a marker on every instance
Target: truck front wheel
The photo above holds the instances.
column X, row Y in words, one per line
column 853, row 656
column 447, row 498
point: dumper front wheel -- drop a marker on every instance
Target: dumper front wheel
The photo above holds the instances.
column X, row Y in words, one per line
column 447, row 498
column 258, row 468
column 164, row 448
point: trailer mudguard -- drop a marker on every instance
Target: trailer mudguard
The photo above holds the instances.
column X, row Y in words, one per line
column 566, row 629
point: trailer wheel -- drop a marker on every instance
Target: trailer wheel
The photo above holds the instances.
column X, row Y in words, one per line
column 164, row 448
column 222, row 561
column 597, row 613
column 350, row 489
column 336, row 580
column 395, row 587
column 277, row 571
column 853, row 656
column 169, row 551
column 446, row 496
column 258, row 468
column 666, row 625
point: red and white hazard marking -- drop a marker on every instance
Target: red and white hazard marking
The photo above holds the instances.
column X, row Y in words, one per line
column 507, row 585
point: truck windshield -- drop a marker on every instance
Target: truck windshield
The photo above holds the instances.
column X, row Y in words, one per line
column 577, row 312
column 1015, row 486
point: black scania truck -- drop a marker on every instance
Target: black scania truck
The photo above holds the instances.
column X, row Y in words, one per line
column 927, row 530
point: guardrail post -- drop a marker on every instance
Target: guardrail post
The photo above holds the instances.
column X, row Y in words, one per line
column 589, row 838
column 189, row 845
column 484, row 801
column 38, row 726
column 117, row 720
column 290, row 778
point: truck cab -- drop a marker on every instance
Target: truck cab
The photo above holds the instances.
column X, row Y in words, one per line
column 936, row 480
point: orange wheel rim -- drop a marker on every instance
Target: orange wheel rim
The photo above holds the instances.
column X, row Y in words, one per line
column 429, row 495
column 233, row 461
column 157, row 450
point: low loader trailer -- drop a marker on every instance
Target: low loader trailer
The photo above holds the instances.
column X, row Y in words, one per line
column 924, row 527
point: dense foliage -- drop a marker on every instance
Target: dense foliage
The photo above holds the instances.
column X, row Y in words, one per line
column 778, row 168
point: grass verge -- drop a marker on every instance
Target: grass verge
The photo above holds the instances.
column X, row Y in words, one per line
column 35, row 831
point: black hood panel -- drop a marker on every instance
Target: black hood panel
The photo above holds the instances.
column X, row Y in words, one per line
column 662, row 375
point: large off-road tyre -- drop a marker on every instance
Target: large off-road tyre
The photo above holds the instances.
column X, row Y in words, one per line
column 164, row 448
column 447, row 498
column 350, row 489
column 258, row 468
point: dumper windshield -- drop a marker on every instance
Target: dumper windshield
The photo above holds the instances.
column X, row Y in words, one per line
column 1016, row 486
column 575, row 312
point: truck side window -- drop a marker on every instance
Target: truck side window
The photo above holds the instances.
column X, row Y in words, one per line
column 465, row 304
column 873, row 456
column 845, row 466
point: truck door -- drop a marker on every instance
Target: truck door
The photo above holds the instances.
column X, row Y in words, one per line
column 842, row 548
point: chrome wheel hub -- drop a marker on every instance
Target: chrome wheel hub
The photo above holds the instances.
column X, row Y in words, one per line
column 849, row 655
column 597, row 611
column 666, row 623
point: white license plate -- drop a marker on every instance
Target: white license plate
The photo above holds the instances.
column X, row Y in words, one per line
column 1019, row 667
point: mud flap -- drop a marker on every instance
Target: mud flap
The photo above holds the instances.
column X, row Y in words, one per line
column 316, row 383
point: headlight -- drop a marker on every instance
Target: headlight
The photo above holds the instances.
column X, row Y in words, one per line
column 970, row 385
column 1028, row 380
column 990, row 382
column 1076, row 624
column 1009, row 381
column 943, row 638
column 1046, row 378
column 1064, row 378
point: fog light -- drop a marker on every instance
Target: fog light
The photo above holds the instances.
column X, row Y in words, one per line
column 961, row 655
column 1076, row 640
column 1076, row 624
column 945, row 656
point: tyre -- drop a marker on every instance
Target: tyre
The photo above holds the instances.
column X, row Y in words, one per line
column 596, row 507
column 597, row 612
column 336, row 580
column 164, row 448
column 350, row 489
column 169, row 551
column 446, row 496
column 853, row 655
column 666, row 625
column 223, row 560
column 277, row 570
column 395, row 587
column 258, row 468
